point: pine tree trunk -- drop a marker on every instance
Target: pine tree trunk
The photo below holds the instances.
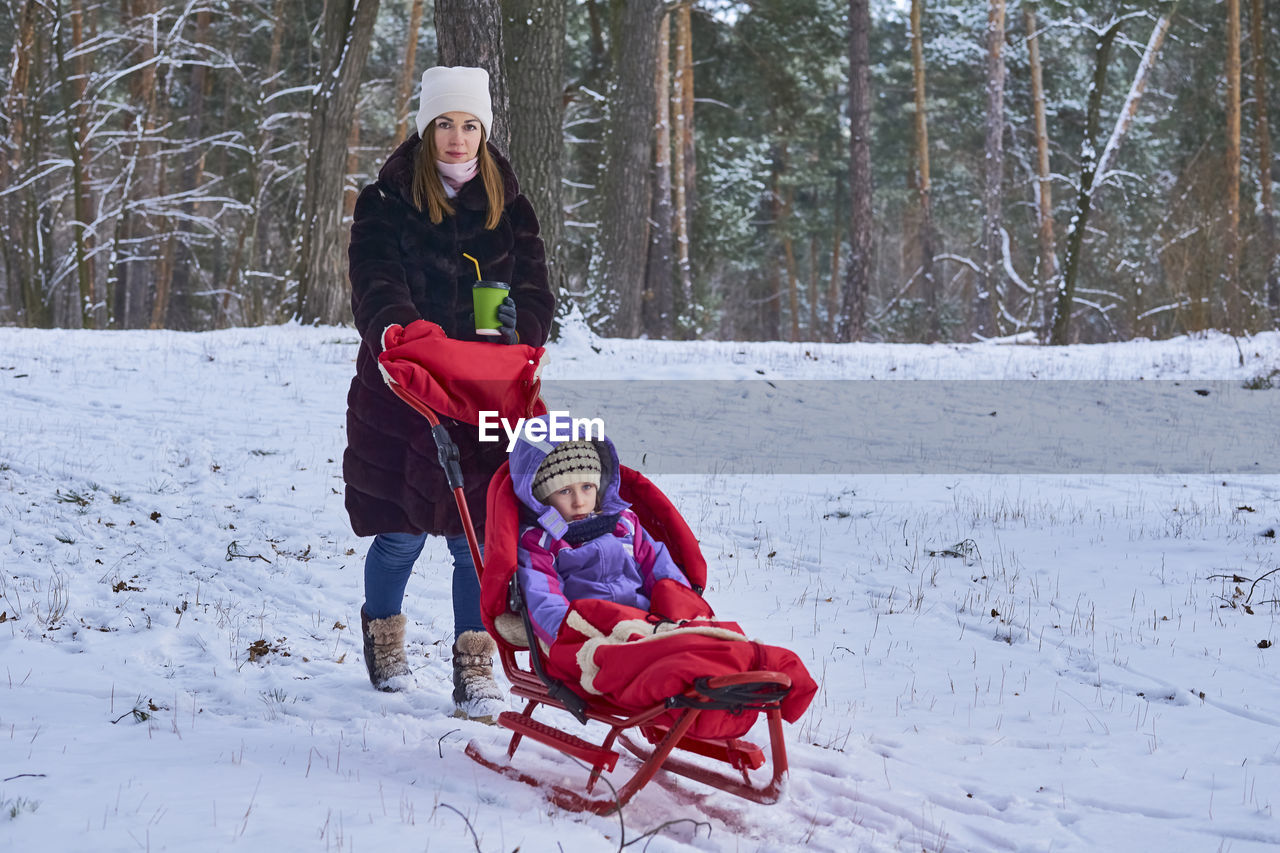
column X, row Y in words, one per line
column 1093, row 165
column 534, row 40
column 1231, row 273
column 163, row 275
column 833, row 290
column 789, row 255
column 815, row 287
column 993, row 172
column 72, row 80
column 618, row 267
column 683, row 168
column 1061, row 335
column 132, row 280
column 163, row 269
column 857, row 284
column 94, row 313
column 770, row 302
column 657, row 310
column 28, row 243
column 1047, row 262
column 1270, row 271
column 15, row 248
column 16, row 98
column 933, row 321
column 322, row 283
column 179, row 310
column 352, row 166
column 469, row 32
column 408, row 76
column 252, row 235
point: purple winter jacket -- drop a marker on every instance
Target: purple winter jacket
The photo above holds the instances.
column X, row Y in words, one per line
column 619, row 564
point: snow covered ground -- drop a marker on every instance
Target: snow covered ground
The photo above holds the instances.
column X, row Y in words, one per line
column 1026, row 660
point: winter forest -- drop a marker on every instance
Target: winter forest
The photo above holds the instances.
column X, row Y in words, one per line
column 921, row 170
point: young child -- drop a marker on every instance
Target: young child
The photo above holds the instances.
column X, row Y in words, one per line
column 579, row 539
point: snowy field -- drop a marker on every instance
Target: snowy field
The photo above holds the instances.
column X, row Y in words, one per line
column 1074, row 660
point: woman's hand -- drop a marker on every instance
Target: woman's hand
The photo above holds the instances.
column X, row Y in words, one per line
column 507, row 319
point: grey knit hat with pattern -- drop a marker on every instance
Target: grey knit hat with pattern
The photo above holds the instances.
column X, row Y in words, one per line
column 569, row 463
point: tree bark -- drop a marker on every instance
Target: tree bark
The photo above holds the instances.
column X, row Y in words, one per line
column 534, row 41
column 176, row 309
column 322, row 283
column 933, row 330
column 993, row 173
column 1270, row 271
column 469, row 32
column 618, row 265
column 658, row 306
column 1084, row 197
column 350, row 192
column 72, row 80
column 19, row 266
column 789, row 256
column 857, row 284
column 770, row 323
column 1092, row 166
column 1047, row 261
column 815, row 287
column 252, row 235
column 683, row 170
column 408, row 75
column 833, row 289
column 131, row 282
column 1231, row 271
column 1136, row 88
column 16, row 98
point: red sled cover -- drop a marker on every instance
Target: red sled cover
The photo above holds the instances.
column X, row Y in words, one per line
column 459, row 379
column 632, row 660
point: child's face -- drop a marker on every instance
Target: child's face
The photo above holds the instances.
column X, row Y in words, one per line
column 575, row 501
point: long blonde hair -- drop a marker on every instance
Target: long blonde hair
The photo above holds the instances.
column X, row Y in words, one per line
column 428, row 190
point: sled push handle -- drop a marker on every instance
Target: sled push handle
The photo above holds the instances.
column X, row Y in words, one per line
column 556, row 689
column 451, row 461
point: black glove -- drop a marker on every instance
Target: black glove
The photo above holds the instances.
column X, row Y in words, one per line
column 507, row 317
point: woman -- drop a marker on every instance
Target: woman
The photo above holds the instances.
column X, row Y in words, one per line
column 443, row 193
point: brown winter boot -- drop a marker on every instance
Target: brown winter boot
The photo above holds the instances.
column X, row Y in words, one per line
column 384, row 650
column 476, row 694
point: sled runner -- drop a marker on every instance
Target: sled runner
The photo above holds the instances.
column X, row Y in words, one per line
column 723, row 694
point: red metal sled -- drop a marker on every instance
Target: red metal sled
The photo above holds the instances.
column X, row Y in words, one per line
column 655, row 746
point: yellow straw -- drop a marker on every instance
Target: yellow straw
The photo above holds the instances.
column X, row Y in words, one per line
column 474, row 261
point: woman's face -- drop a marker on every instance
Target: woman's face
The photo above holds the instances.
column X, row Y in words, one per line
column 457, row 137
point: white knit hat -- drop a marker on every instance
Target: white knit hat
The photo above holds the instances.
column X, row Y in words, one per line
column 571, row 462
column 456, row 89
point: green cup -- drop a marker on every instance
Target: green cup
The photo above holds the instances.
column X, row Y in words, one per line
column 486, row 296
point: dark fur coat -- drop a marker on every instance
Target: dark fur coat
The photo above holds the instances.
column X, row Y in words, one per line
column 403, row 268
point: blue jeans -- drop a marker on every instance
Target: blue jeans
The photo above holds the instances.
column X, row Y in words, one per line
column 390, row 562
